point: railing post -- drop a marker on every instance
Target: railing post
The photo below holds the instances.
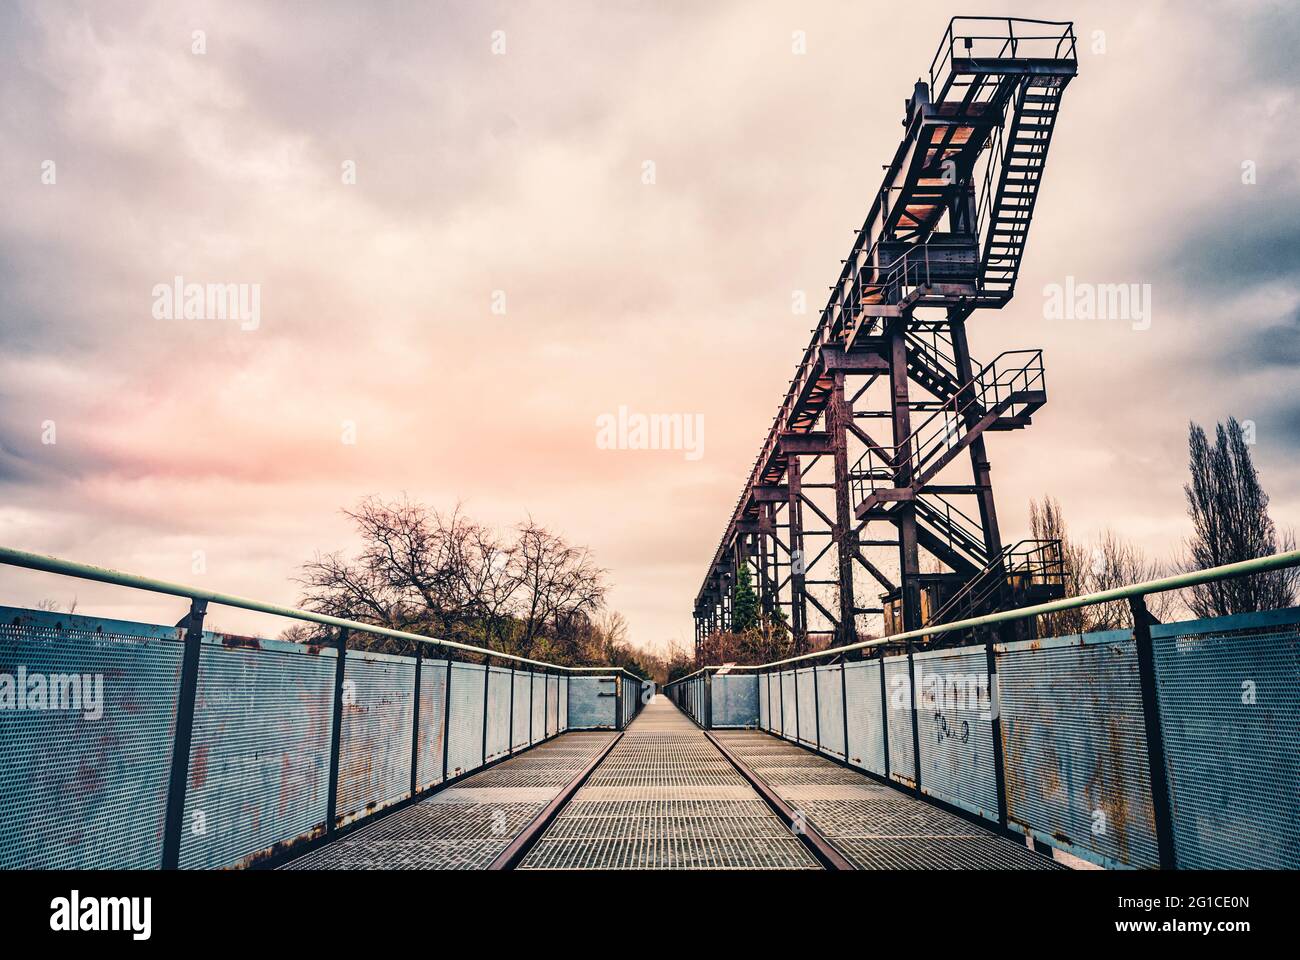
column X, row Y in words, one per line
column 817, row 710
column 531, row 685
column 995, row 713
column 446, row 718
column 510, row 746
column 708, row 701
column 415, row 719
column 884, row 714
column 1160, row 803
column 336, row 732
column 546, row 702
column 916, row 718
column 173, row 824
column 794, row 673
column 844, row 705
column 487, row 678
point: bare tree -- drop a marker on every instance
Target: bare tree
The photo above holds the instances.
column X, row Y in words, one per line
column 1229, row 512
column 559, row 582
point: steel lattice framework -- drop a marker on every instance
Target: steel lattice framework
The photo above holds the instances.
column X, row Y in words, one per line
column 887, row 397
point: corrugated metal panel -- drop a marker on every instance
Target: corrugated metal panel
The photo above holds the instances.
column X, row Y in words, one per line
column 830, row 710
column 552, row 705
column 465, row 750
column 1074, row 746
column 539, row 708
column 735, row 700
column 807, row 705
column 789, row 715
column 763, row 696
column 498, row 713
column 433, row 707
column 260, row 754
column 588, row 709
column 898, row 709
column 519, row 735
column 956, row 729
column 1230, row 715
column 564, row 703
column 378, row 718
column 866, row 732
column 77, row 792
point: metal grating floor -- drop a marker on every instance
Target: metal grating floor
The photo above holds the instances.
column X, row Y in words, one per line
column 466, row 825
column 875, row 826
column 666, row 799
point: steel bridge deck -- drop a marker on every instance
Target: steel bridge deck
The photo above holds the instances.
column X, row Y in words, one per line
column 665, row 798
column 467, row 824
column 877, row 827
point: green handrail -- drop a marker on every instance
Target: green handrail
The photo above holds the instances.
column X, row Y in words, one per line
column 1226, row 571
column 85, row 571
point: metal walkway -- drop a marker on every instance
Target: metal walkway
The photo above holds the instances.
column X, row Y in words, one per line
column 666, row 799
column 875, row 826
column 468, row 824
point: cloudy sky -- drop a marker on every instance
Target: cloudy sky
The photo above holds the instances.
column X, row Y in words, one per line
column 522, row 171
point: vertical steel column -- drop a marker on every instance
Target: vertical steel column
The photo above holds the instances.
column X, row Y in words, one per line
column 844, row 705
column 336, row 733
column 415, row 721
column 173, row 823
column 884, row 714
column 530, row 706
column 1160, row 802
column 909, row 563
column 798, row 599
column 844, row 533
column 980, row 470
column 546, row 701
column 817, row 710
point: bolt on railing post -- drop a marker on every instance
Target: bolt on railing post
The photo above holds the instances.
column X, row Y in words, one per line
column 336, row 732
column 173, row 823
column 1160, row 802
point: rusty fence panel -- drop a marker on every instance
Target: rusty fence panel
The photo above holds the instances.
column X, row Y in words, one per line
column 1229, row 697
column 465, row 738
column 955, row 721
column 375, row 753
column 805, row 685
column 591, row 703
column 830, row 710
column 1074, row 746
column 735, row 700
column 86, row 788
column 790, row 713
column 519, row 722
column 866, row 747
column 259, row 759
column 899, row 717
column 433, row 709
column 552, row 705
column 538, row 708
column 498, row 713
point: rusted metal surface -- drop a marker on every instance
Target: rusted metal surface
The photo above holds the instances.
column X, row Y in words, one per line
column 865, row 716
column 259, row 755
column 1074, row 749
column 433, row 697
column 735, row 700
column 498, row 712
column 591, row 703
column 955, row 715
column 375, row 758
column 465, row 746
column 80, row 790
column 830, row 711
column 1230, row 715
column 898, row 717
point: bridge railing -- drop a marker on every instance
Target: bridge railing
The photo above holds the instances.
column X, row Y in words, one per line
column 134, row 745
column 1163, row 745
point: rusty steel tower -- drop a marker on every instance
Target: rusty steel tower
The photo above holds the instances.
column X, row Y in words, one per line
column 857, row 486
